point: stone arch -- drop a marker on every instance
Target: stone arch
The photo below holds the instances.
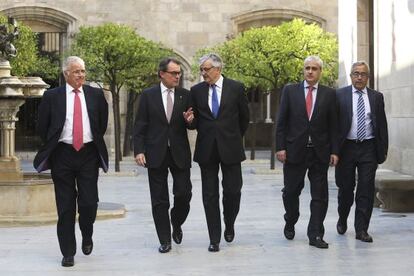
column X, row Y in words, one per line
column 271, row 17
column 45, row 19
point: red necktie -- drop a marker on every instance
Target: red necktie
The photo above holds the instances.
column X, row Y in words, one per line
column 309, row 101
column 77, row 133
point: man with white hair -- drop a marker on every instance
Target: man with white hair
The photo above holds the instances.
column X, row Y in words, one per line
column 72, row 122
column 221, row 117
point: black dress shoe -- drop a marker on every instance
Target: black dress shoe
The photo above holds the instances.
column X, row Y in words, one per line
column 164, row 248
column 341, row 226
column 177, row 235
column 363, row 236
column 214, row 247
column 289, row 231
column 87, row 247
column 68, row 261
column 229, row 234
column 318, row 242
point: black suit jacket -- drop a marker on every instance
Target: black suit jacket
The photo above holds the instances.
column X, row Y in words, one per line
column 379, row 120
column 51, row 119
column 294, row 128
column 227, row 129
column 152, row 130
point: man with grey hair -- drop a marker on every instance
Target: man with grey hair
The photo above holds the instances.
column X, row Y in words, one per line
column 306, row 141
column 363, row 144
column 72, row 122
column 221, row 117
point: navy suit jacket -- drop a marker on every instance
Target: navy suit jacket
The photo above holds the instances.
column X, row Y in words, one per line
column 52, row 116
column 227, row 130
column 378, row 117
column 152, row 132
column 294, row 128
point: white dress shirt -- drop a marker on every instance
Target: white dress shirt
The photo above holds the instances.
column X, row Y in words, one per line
column 352, row 135
column 219, row 90
column 314, row 93
column 66, row 135
column 164, row 94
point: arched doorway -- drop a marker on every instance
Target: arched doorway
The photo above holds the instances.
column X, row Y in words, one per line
column 53, row 29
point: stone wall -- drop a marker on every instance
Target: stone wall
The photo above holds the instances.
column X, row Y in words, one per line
column 394, row 63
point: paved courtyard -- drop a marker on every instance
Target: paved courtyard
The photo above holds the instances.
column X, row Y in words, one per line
column 128, row 246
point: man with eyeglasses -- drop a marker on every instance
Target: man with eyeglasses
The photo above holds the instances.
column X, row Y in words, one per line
column 72, row 122
column 306, row 141
column 161, row 144
column 363, row 144
column 221, row 116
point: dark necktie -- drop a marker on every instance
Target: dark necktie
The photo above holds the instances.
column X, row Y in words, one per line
column 309, row 101
column 361, row 131
column 214, row 101
column 77, row 131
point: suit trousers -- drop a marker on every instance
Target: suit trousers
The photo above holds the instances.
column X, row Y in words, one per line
column 360, row 157
column 294, row 175
column 75, row 176
column 158, row 184
column 231, row 183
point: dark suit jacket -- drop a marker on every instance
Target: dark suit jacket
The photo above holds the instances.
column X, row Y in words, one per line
column 294, row 128
column 227, row 129
column 152, row 130
column 51, row 119
column 379, row 120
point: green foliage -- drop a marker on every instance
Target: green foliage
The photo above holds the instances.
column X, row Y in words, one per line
column 271, row 56
column 115, row 54
column 28, row 62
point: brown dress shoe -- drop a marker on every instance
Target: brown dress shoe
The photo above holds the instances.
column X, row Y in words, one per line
column 363, row 236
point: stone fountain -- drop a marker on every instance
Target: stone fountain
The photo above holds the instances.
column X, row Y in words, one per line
column 25, row 198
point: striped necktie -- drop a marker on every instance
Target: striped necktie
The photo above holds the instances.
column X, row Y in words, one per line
column 361, row 130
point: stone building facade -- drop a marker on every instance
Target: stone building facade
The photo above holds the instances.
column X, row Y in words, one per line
column 372, row 30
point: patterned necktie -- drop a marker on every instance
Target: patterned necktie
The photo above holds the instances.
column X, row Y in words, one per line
column 169, row 104
column 361, row 131
column 309, row 101
column 214, row 101
column 77, row 131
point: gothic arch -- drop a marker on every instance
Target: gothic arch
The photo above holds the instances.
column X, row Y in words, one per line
column 269, row 17
column 44, row 17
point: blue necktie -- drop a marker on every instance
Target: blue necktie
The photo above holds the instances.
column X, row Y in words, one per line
column 361, row 131
column 214, row 101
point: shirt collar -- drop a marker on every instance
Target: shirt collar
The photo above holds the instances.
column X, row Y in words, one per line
column 364, row 91
column 219, row 82
column 306, row 85
column 165, row 88
column 70, row 89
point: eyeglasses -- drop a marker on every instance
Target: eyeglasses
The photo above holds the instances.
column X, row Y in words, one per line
column 359, row 74
column 78, row 72
column 174, row 73
column 205, row 69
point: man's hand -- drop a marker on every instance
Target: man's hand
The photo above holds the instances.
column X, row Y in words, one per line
column 334, row 160
column 189, row 115
column 281, row 156
column 140, row 159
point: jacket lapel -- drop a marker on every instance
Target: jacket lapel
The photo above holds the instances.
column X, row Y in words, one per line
column 159, row 104
column 349, row 103
column 301, row 99
column 61, row 102
column 371, row 99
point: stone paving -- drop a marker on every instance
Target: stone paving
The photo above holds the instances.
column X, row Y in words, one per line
column 128, row 246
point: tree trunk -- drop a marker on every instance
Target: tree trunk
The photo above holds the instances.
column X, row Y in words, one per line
column 273, row 148
column 129, row 124
column 117, row 126
column 254, row 125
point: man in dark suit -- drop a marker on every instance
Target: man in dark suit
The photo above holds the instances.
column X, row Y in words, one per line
column 161, row 144
column 72, row 122
column 306, row 140
column 221, row 117
column 363, row 144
